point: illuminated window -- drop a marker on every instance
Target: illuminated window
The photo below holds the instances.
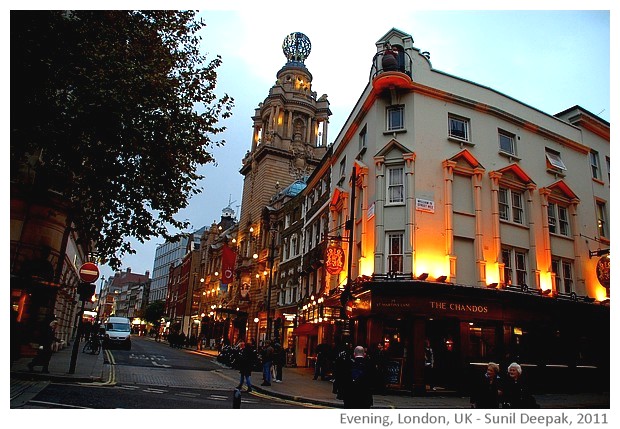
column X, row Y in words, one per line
column 458, row 128
column 515, row 266
column 395, row 252
column 395, row 118
column 563, row 270
column 396, row 185
column 601, row 219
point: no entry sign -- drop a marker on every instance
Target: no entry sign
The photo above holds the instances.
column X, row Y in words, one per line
column 89, row 272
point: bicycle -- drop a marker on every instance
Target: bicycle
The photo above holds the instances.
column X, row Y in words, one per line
column 92, row 346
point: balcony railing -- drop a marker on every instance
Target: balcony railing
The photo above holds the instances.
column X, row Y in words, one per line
column 383, row 62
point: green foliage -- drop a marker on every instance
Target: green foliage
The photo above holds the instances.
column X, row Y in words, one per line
column 121, row 107
column 153, row 312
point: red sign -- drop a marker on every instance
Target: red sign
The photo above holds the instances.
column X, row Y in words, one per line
column 89, row 272
column 334, row 259
column 603, row 271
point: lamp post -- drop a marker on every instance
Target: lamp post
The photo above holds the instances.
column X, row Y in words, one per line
column 99, row 299
column 271, row 258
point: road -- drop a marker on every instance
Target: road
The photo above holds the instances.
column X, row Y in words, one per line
column 155, row 376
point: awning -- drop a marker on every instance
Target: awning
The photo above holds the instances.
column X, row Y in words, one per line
column 306, row 329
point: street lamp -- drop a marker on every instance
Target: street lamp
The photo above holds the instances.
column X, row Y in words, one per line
column 271, row 258
column 99, row 300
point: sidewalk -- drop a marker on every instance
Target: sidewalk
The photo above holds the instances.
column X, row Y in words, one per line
column 88, row 369
column 297, row 385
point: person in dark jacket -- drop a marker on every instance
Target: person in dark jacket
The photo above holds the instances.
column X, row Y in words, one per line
column 358, row 385
column 246, row 363
column 515, row 392
column 267, row 357
column 43, row 357
column 279, row 359
column 342, row 364
column 487, row 391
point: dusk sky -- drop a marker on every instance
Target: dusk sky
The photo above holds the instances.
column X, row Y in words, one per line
column 550, row 60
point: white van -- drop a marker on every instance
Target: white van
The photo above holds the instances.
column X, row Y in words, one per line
column 117, row 332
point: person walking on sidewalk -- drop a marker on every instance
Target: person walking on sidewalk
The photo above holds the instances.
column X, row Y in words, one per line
column 267, row 356
column 44, row 355
column 247, row 360
column 279, row 359
column 358, row 385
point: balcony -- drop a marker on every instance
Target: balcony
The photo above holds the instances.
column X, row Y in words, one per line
column 391, row 68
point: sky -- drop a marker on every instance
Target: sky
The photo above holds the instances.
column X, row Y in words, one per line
column 547, row 59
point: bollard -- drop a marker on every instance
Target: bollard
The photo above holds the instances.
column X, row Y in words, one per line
column 237, row 399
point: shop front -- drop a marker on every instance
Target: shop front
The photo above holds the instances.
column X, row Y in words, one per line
column 554, row 339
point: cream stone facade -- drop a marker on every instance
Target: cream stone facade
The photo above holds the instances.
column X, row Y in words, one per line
column 471, row 209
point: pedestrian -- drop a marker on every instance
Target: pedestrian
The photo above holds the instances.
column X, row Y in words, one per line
column 44, row 355
column 515, row 392
column 379, row 360
column 342, row 367
column 246, row 364
column 429, row 365
column 267, row 357
column 320, row 362
column 358, row 385
column 487, row 390
column 279, row 359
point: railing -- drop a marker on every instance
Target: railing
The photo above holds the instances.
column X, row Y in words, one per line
column 402, row 63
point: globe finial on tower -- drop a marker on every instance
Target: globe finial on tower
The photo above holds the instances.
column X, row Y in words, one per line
column 296, row 47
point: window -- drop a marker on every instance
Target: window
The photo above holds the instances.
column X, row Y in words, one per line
column 511, row 206
column 563, row 270
column 362, row 139
column 507, row 142
column 558, row 219
column 395, row 252
column 608, row 162
column 395, row 118
column 343, row 168
column 601, row 218
column 458, row 128
column 396, row 185
column 554, row 161
column 515, row 266
column 595, row 165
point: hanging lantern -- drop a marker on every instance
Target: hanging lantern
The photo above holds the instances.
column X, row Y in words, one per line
column 334, row 258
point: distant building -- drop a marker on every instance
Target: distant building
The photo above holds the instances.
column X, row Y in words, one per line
column 123, row 295
column 166, row 255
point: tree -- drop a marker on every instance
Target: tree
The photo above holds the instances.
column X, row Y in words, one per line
column 118, row 111
column 153, row 312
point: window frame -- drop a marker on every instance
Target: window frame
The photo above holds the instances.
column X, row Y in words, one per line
column 400, row 110
column 601, row 219
column 563, row 283
column 515, row 213
column 595, row 165
column 395, row 186
column 515, row 265
column 467, row 125
column 554, row 161
column 513, row 147
column 395, row 256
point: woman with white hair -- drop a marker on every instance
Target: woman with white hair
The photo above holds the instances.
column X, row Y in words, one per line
column 486, row 392
column 515, row 392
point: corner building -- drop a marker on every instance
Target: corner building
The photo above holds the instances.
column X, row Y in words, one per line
column 481, row 224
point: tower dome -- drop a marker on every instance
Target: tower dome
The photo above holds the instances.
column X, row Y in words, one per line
column 296, row 47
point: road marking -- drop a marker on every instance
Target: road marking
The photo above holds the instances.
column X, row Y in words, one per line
column 56, row 404
column 161, row 365
column 188, row 394
column 218, row 397
column 150, row 390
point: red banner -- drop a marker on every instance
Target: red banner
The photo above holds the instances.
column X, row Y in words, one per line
column 229, row 258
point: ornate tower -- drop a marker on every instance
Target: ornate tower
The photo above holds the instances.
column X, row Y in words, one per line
column 288, row 141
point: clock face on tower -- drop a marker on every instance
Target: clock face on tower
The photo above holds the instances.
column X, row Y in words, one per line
column 296, row 47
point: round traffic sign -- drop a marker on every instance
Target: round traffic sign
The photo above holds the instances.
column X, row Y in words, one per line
column 89, row 272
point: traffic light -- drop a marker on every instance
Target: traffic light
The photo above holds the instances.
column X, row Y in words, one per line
column 86, row 291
